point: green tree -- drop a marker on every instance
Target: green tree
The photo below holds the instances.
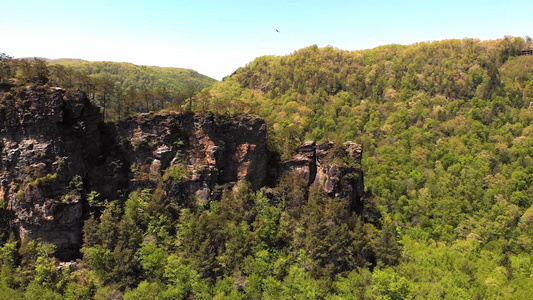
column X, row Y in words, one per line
column 6, row 67
column 331, row 238
column 105, row 87
column 389, row 285
column 32, row 71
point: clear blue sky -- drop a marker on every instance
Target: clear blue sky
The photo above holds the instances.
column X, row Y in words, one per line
column 217, row 37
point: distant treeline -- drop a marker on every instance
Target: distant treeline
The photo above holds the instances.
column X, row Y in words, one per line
column 120, row 89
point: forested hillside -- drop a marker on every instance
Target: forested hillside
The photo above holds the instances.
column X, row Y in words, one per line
column 120, row 89
column 447, row 129
column 130, row 76
column 447, row 135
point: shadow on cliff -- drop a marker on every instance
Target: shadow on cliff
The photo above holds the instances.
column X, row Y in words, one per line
column 57, row 154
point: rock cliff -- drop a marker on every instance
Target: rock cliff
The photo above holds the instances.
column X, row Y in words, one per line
column 210, row 150
column 54, row 150
column 57, row 156
column 335, row 167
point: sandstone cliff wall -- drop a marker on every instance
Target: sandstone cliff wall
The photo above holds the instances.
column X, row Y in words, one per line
column 56, row 153
column 335, row 167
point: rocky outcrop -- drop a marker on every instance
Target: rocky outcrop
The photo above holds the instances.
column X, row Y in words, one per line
column 56, row 151
column 335, row 167
column 304, row 161
column 56, row 154
column 51, row 149
column 211, row 150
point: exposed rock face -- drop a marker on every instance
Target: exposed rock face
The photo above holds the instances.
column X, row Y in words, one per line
column 337, row 169
column 304, row 161
column 56, row 151
column 49, row 138
column 213, row 150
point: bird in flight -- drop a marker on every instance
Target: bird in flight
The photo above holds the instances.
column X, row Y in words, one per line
column 277, row 30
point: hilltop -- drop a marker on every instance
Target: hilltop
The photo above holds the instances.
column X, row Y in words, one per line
column 133, row 76
column 120, row 89
column 65, row 61
column 328, row 93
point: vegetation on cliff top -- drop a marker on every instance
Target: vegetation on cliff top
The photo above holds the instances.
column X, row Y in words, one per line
column 120, row 89
column 130, row 76
column 447, row 129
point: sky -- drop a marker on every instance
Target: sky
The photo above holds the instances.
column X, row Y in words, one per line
column 217, row 37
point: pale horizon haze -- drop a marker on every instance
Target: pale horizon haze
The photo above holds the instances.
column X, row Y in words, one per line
column 217, row 37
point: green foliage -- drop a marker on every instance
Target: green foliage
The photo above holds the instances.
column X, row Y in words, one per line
column 138, row 77
column 98, row 258
column 6, row 67
column 291, row 193
column 37, row 291
column 153, row 260
column 332, row 239
column 316, row 93
column 40, row 182
column 5, row 219
column 444, row 126
column 31, row 250
column 31, row 71
column 353, row 286
column 45, row 272
column 386, row 246
column 92, row 199
column 389, row 285
column 120, row 89
column 177, row 173
column 184, row 280
column 110, row 246
column 446, row 130
column 8, row 253
column 146, row 290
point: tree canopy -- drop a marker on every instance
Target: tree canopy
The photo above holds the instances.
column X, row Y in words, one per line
column 447, row 130
column 120, row 89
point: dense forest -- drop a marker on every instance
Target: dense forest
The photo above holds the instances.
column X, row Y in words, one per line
column 120, row 89
column 447, row 132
